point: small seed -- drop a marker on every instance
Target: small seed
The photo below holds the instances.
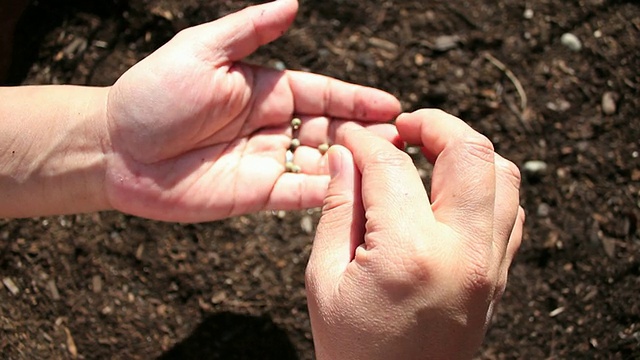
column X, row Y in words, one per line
column 323, row 148
column 289, row 166
column 296, row 168
column 294, row 144
column 295, row 123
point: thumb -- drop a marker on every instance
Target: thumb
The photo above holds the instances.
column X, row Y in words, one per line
column 239, row 34
column 341, row 227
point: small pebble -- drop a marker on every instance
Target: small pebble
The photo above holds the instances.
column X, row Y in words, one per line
column 323, row 148
column 528, row 14
column 609, row 103
column 279, row 65
column 295, row 123
column 571, row 41
column 535, row 167
column 295, row 143
column 543, row 210
column 306, row 223
column 446, row 42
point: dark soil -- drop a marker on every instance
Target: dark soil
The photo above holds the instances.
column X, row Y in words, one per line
column 113, row 286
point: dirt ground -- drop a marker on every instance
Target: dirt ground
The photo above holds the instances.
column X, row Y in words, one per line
column 109, row 285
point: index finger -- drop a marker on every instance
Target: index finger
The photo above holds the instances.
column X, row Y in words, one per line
column 393, row 195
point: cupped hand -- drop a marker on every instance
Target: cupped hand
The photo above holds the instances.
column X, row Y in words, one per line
column 197, row 135
column 396, row 275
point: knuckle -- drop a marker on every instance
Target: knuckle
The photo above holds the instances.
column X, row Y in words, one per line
column 478, row 146
column 479, row 281
column 403, row 276
column 479, row 278
column 385, row 158
column 509, row 170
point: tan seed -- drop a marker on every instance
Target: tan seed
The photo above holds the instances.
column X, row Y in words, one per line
column 323, row 148
column 295, row 123
column 294, row 144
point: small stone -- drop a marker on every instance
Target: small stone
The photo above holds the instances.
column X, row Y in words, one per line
column 446, row 42
column 528, row 14
column 543, row 210
column 295, row 123
column 560, row 105
column 306, row 223
column 323, row 148
column 219, row 297
column 535, row 167
column 571, row 41
column 609, row 103
column 279, row 65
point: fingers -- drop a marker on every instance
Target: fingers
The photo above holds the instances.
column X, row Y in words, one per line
column 297, row 191
column 237, row 35
column 464, row 181
column 515, row 240
column 317, row 130
column 320, row 95
column 392, row 192
column 341, row 227
column 506, row 203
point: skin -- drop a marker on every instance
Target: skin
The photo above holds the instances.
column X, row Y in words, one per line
column 188, row 134
column 193, row 134
column 396, row 274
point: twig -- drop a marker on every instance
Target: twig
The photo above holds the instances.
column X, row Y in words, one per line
column 497, row 63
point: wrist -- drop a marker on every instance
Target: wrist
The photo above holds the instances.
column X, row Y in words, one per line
column 54, row 144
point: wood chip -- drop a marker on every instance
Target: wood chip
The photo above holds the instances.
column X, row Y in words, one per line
column 53, row 289
column 383, row 44
column 11, row 286
column 71, row 345
column 96, row 283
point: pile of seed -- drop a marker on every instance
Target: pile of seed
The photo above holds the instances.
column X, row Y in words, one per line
column 295, row 143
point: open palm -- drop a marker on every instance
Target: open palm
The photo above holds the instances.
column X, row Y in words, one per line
column 196, row 135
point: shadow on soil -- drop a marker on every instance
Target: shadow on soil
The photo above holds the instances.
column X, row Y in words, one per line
column 234, row 336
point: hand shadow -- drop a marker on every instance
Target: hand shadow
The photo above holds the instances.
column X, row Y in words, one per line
column 233, row 336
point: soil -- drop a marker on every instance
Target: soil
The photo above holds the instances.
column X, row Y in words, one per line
column 108, row 285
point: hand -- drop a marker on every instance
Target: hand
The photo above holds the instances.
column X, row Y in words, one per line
column 395, row 276
column 196, row 135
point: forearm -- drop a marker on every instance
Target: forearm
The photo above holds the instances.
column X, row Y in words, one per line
column 53, row 141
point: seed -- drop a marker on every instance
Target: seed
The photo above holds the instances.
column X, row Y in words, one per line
column 295, row 123
column 295, row 168
column 289, row 166
column 294, row 144
column 323, row 148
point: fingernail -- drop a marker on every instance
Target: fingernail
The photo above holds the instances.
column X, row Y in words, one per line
column 335, row 161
